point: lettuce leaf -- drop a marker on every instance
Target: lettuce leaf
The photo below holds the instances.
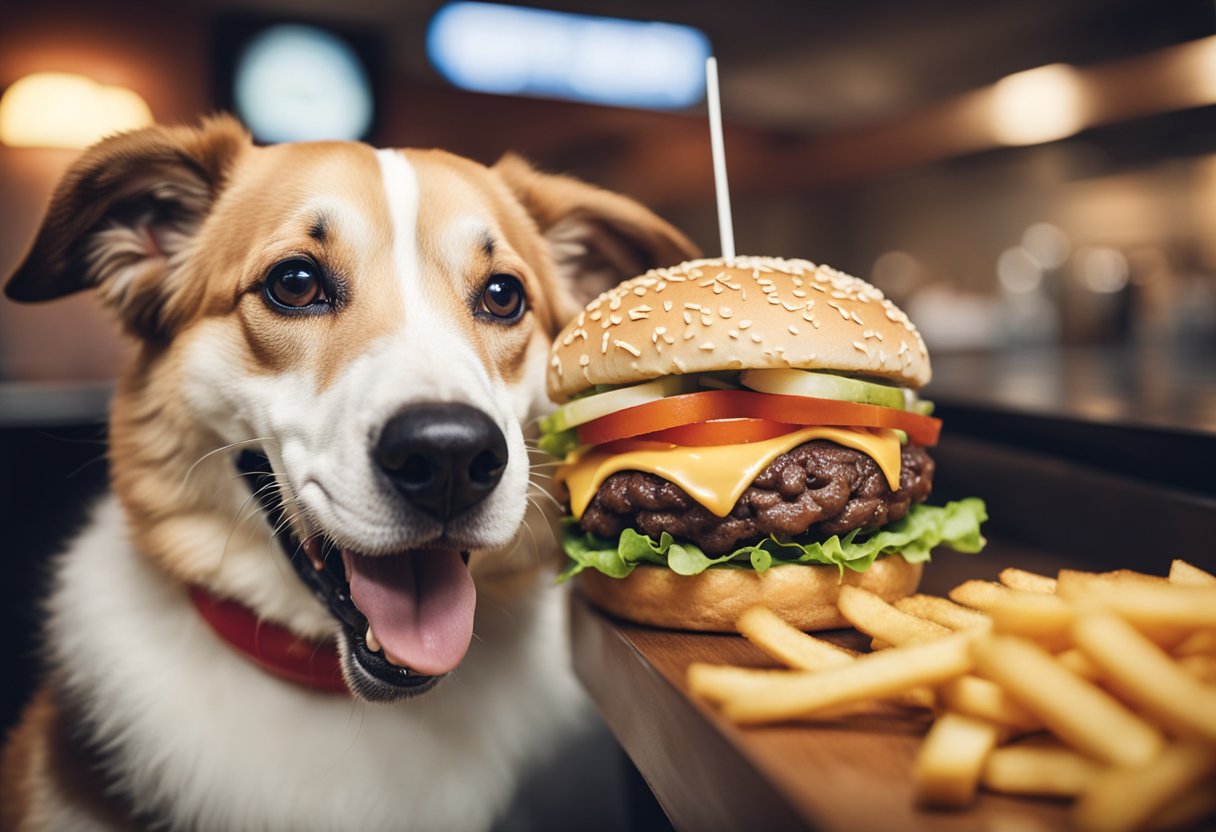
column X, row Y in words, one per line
column 956, row 525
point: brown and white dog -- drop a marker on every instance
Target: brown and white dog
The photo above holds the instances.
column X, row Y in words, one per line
column 360, row 335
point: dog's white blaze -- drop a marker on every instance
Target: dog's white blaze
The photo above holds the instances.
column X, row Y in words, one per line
column 423, row 320
column 401, row 192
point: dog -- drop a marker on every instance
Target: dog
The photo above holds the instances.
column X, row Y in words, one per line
column 321, row 593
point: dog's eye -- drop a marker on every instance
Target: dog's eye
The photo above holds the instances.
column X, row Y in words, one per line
column 296, row 284
column 503, row 297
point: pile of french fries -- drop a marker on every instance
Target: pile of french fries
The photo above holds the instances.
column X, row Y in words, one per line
column 1095, row 687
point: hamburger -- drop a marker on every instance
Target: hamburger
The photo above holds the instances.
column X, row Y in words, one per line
column 745, row 431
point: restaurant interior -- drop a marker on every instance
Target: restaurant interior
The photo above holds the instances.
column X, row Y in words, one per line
column 1032, row 181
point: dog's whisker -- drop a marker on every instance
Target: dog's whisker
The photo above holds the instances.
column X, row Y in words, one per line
column 219, row 450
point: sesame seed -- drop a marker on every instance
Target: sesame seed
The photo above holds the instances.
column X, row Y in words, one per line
column 734, row 334
column 666, row 306
column 689, row 334
column 627, row 347
column 756, row 339
column 615, row 318
column 604, row 344
column 839, row 309
column 688, row 319
column 596, row 314
column 639, row 313
column 744, row 324
column 707, row 346
column 773, row 299
column 669, row 339
column 639, row 290
column 568, row 339
column 615, row 303
column 768, row 290
column 691, row 305
column 718, row 289
column 856, row 318
column 799, row 293
column 793, row 329
column 582, row 318
column 791, row 307
column 678, row 363
column 584, row 360
column 857, row 345
column 725, row 311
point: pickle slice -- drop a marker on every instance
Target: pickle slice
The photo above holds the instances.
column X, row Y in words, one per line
column 791, row 382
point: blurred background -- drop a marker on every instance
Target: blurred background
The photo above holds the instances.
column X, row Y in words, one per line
column 1034, row 181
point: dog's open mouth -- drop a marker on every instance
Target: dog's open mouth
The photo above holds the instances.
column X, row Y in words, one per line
column 407, row 616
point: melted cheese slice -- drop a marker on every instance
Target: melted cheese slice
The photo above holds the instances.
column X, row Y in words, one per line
column 716, row 476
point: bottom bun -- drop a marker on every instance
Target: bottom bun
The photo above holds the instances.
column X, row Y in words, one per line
column 805, row 596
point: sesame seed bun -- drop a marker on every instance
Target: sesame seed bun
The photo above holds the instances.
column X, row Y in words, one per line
column 748, row 313
column 803, row 595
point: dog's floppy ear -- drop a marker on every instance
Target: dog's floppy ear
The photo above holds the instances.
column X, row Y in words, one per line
column 122, row 217
column 597, row 238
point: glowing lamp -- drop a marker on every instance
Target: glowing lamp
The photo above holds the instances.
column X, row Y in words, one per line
column 64, row 110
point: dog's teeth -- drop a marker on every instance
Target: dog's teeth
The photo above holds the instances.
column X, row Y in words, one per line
column 370, row 638
column 312, row 548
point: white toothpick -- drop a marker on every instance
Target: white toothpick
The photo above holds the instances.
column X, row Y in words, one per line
column 725, row 228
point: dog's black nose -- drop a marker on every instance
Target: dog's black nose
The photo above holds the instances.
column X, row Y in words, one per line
column 443, row 457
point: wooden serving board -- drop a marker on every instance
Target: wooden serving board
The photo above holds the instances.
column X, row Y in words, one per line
column 851, row 774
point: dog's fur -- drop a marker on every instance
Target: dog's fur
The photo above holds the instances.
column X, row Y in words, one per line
column 146, row 718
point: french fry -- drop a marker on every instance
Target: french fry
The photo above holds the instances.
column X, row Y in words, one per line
column 948, row 765
column 1038, row 615
column 1197, row 644
column 1080, row 714
column 802, row 651
column 1187, row 574
column 943, row 611
column 1080, row 664
column 1122, row 799
column 983, row 699
column 1026, row 581
column 979, row 595
column 1147, row 677
column 1201, row 666
column 875, row 617
column 1078, row 578
column 1038, row 770
column 719, row 682
column 872, row 676
column 788, row 644
column 1156, row 606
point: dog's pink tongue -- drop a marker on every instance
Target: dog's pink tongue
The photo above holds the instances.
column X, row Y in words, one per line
column 419, row 605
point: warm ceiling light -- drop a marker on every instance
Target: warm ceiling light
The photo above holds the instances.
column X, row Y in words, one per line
column 1038, row 105
column 60, row 109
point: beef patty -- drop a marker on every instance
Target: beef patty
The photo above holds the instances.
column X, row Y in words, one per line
column 819, row 489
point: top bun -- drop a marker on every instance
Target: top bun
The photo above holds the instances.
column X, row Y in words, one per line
column 745, row 313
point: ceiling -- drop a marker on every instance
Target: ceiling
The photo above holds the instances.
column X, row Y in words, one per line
column 812, row 68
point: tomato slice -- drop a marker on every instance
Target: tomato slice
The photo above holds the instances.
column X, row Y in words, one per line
column 691, row 408
column 721, row 432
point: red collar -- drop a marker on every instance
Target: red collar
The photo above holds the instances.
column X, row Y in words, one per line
column 270, row 646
